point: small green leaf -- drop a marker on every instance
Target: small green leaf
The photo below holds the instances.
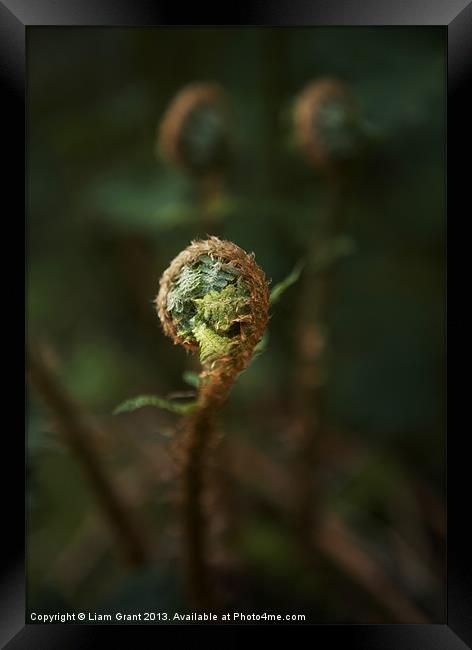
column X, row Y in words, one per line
column 262, row 345
column 260, row 348
column 154, row 400
column 191, row 378
column 280, row 288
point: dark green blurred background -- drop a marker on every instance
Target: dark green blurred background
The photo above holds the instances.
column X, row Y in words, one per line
column 105, row 218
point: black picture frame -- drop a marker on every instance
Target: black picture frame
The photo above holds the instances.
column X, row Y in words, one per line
column 15, row 17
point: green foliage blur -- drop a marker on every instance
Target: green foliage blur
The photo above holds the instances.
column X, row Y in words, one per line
column 105, row 218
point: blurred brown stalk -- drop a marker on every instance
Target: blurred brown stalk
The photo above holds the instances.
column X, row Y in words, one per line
column 81, row 434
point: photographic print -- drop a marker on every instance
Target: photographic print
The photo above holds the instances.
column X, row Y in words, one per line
column 236, row 325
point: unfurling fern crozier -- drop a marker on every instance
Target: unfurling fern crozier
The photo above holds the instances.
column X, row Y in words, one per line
column 214, row 300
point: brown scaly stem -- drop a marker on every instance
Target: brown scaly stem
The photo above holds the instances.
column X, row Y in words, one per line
column 198, row 445
column 194, row 451
column 199, row 429
column 316, row 294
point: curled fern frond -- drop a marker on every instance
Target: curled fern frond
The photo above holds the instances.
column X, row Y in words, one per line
column 194, row 133
column 326, row 122
column 214, row 300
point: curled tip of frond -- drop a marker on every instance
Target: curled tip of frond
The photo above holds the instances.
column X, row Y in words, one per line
column 318, row 135
column 202, row 144
column 214, row 299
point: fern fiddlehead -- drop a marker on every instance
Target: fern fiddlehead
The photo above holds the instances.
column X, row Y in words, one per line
column 194, row 132
column 327, row 123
